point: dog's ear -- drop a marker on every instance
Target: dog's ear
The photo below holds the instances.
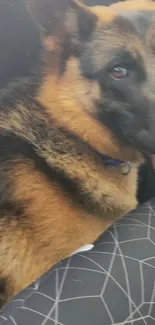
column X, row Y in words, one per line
column 62, row 18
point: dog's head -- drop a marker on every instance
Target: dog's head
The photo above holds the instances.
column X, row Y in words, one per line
column 100, row 62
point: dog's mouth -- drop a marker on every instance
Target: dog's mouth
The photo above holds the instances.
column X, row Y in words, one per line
column 123, row 165
column 133, row 125
column 144, row 141
column 131, row 130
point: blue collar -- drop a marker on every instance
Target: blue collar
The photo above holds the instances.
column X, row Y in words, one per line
column 108, row 161
column 124, row 165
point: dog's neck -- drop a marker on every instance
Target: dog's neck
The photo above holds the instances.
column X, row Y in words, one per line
column 46, row 107
column 68, row 156
column 68, row 113
column 124, row 166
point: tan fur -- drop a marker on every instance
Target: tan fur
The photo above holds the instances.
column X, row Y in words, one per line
column 73, row 98
column 133, row 5
column 53, row 226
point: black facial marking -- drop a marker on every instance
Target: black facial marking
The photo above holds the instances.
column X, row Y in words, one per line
column 134, row 22
column 118, row 57
column 125, row 107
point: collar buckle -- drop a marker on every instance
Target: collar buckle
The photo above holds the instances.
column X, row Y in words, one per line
column 125, row 167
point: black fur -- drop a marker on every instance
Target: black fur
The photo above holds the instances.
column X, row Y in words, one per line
column 136, row 22
column 15, row 150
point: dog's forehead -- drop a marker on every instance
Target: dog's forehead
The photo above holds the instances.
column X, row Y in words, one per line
column 127, row 31
column 136, row 21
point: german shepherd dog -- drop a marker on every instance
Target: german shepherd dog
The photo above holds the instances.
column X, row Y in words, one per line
column 73, row 136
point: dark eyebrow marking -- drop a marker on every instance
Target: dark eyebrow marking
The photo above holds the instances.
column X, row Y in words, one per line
column 134, row 21
column 119, row 56
column 124, row 57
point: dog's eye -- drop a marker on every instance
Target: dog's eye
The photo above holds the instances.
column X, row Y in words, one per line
column 119, row 72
